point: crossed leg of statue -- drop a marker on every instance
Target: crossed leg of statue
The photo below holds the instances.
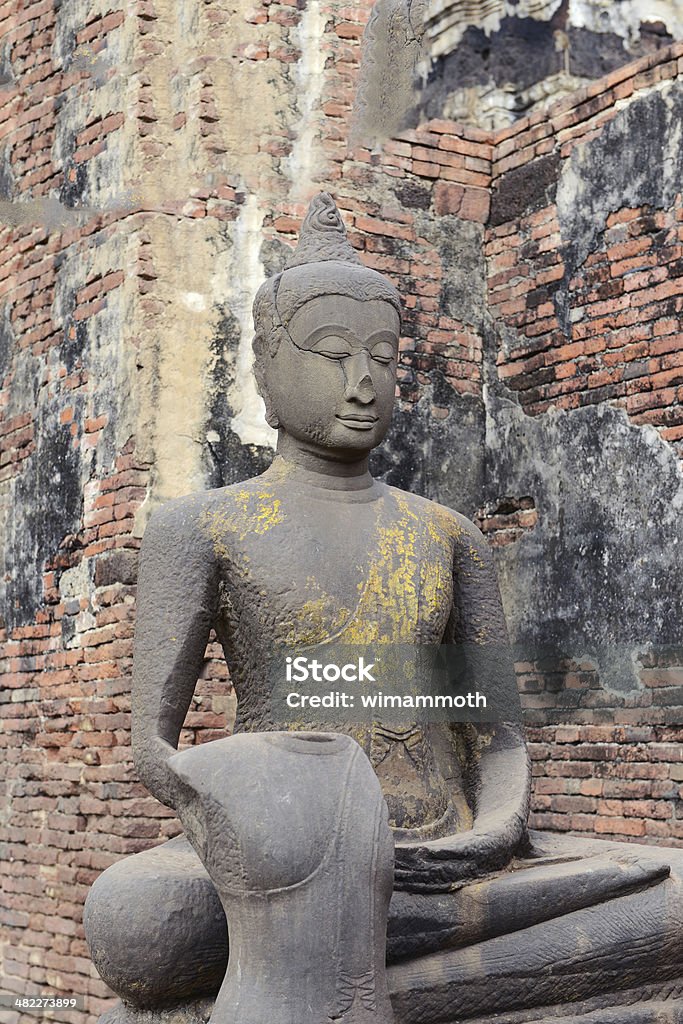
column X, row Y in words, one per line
column 530, row 944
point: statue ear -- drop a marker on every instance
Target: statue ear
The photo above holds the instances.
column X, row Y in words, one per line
column 271, row 418
column 262, row 352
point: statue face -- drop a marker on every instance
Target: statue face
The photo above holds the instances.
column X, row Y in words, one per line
column 332, row 380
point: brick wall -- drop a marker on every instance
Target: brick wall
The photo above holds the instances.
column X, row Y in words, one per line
column 60, row 276
column 620, row 340
column 579, row 325
column 124, row 194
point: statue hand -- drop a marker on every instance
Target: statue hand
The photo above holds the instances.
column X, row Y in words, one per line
column 444, row 864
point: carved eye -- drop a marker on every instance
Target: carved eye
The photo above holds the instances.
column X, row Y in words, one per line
column 383, row 353
column 333, row 348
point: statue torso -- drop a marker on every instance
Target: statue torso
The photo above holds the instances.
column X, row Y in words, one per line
column 303, row 565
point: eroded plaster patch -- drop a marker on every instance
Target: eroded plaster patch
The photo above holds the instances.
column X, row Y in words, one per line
column 601, row 574
column 234, row 283
column 611, row 171
column 304, row 160
column 448, row 20
column 176, row 354
column 626, row 17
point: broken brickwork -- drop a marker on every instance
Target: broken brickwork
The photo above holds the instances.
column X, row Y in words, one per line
column 584, row 248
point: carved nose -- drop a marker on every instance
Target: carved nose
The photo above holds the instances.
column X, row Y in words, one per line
column 359, row 386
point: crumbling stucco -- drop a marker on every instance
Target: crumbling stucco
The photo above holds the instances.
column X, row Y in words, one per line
column 214, row 111
column 104, row 185
column 303, row 163
column 627, row 18
column 175, row 340
column 168, row 359
column 394, row 52
column 616, row 170
column 435, row 447
column 459, row 244
column 48, row 487
column 600, row 576
column 447, row 21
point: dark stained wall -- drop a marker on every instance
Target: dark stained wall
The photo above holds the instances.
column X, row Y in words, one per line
column 585, row 430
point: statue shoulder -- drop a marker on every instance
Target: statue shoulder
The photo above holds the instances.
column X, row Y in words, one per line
column 181, row 516
column 470, row 543
column 462, row 529
column 181, row 526
column 177, row 558
column 191, row 512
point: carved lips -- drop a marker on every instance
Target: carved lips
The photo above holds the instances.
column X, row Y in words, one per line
column 358, row 421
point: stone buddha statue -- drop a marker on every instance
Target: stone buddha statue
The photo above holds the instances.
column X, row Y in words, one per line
column 487, row 920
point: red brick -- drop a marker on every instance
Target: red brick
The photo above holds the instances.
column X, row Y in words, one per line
column 425, row 170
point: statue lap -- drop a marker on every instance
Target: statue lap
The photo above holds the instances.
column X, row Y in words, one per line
column 160, row 908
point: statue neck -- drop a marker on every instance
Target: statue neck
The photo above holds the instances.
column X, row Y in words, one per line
column 319, row 469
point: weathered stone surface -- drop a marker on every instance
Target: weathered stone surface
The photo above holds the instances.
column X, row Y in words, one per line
column 435, row 447
column 491, row 64
column 185, row 951
column 609, row 172
column 118, row 567
column 71, row 802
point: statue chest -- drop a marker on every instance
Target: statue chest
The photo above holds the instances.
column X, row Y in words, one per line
column 302, row 573
column 360, row 574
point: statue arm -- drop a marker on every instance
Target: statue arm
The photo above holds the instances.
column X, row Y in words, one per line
column 176, row 607
column 498, row 764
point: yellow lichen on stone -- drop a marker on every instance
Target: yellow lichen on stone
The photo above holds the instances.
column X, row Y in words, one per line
column 483, row 636
column 476, row 557
column 401, row 585
column 319, row 620
column 440, row 521
column 435, row 584
column 388, row 608
column 244, row 512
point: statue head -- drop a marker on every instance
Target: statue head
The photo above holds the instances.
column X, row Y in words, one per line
column 326, row 342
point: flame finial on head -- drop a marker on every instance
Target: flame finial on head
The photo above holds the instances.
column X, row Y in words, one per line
column 322, row 236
